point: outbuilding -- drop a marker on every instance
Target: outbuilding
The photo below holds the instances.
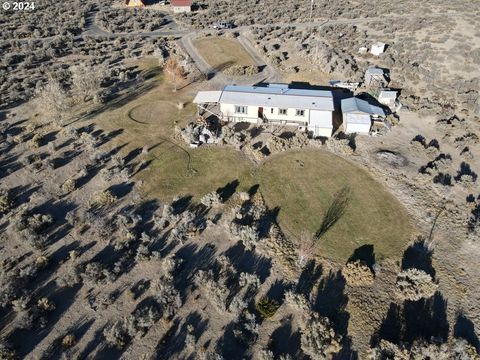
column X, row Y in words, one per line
column 358, row 114
column 134, row 3
column 181, row 6
column 377, row 48
column 275, row 104
column 389, row 98
column 375, row 77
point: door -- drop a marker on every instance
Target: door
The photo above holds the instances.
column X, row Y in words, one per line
column 260, row 112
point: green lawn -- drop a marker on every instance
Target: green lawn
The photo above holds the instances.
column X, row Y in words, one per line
column 303, row 183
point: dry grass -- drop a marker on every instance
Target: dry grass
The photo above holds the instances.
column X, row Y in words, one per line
column 221, row 53
column 302, row 193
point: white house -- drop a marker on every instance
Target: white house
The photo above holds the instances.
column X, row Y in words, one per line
column 377, row 48
column 310, row 110
column 358, row 115
column 181, row 6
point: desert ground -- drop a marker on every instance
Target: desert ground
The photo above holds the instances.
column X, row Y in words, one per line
column 121, row 241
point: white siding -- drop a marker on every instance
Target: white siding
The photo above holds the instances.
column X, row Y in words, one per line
column 228, row 112
column 290, row 117
column 321, row 123
column 357, row 127
column 318, row 131
column 180, row 9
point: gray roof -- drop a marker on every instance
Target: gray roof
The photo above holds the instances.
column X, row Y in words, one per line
column 278, row 96
column 374, row 71
column 356, row 105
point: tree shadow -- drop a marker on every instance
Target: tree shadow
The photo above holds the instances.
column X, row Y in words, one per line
column 426, row 319
column 465, row 170
column 419, row 256
column 474, row 220
column 335, row 211
column 331, row 301
column 26, row 340
column 391, row 328
column 311, row 273
column 465, row 329
column 277, row 290
column 284, row 340
column 229, row 346
column 176, row 343
column 249, row 261
column 228, row 190
column 195, row 259
column 56, row 349
column 122, row 189
column 365, row 254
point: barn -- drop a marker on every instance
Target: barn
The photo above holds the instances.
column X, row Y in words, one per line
column 276, row 104
column 358, row 115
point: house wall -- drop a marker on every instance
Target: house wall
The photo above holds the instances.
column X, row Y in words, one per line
column 181, row 9
column 228, row 111
column 355, row 128
column 320, row 131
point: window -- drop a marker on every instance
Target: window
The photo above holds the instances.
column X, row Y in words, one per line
column 240, row 109
column 300, row 112
column 271, row 111
column 282, row 111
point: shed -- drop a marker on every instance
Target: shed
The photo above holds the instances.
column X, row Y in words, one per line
column 357, row 115
column 181, row 6
column 375, row 77
column 388, row 98
column 377, row 48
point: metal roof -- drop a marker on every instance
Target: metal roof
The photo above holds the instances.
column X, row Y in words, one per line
column 181, row 2
column 361, row 119
column 391, row 94
column 205, row 97
column 356, row 105
column 375, row 71
column 282, row 97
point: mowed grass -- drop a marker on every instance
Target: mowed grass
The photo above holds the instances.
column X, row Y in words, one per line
column 221, row 53
column 173, row 168
column 303, row 183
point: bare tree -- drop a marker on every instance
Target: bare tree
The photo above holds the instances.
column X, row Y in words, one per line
column 86, row 81
column 174, row 70
column 52, row 99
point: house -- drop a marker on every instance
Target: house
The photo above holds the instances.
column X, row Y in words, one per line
column 377, row 48
column 358, row 115
column 389, row 98
column 181, row 6
column 277, row 104
column 134, row 3
column 375, row 77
